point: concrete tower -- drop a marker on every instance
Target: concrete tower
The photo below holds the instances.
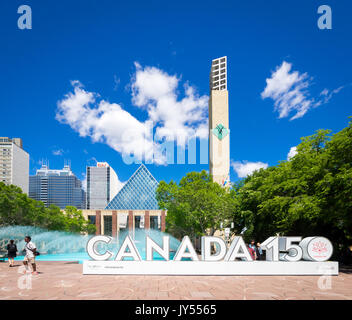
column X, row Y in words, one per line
column 219, row 133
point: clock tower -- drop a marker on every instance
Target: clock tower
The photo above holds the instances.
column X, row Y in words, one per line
column 219, row 133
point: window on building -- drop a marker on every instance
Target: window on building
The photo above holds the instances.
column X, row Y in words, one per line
column 108, row 225
column 92, row 219
column 154, row 222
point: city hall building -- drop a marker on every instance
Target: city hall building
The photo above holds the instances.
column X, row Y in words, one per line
column 134, row 207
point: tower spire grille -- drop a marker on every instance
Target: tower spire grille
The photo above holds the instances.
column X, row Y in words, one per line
column 218, row 74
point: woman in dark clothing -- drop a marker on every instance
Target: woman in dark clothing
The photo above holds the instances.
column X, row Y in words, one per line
column 11, row 252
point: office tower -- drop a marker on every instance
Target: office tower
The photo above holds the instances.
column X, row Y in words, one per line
column 14, row 163
column 102, row 185
column 219, row 133
column 59, row 187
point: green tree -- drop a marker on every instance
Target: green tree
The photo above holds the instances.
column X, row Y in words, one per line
column 307, row 195
column 310, row 194
column 75, row 221
column 16, row 208
column 196, row 206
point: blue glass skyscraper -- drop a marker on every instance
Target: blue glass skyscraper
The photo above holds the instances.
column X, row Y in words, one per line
column 59, row 187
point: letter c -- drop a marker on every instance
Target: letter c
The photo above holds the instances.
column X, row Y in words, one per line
column 91, row 248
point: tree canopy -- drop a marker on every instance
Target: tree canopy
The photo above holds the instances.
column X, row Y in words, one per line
column 307, row 195
column 196, row 206
column 310, row 194
column 16, row 208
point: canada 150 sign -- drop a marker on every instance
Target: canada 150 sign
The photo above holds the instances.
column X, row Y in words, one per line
column 284, row 256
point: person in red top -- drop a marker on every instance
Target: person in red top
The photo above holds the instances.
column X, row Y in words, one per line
column 252, row 252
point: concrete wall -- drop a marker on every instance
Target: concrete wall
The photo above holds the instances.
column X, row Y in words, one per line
column 219, row 150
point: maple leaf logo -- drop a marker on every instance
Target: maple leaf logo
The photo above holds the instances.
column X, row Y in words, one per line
column 319, row 247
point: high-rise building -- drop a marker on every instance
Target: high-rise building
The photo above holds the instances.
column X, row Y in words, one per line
column 219, row 133
column 102, row 185
column 14, row 163
column 59, row 187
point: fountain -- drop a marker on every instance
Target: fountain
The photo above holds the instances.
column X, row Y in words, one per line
column 64, row 246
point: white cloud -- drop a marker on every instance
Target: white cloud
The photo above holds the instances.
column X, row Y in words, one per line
column 153, row 90
column 292, row 153
column 328, row 94
column 104, row 122
column 245, row 168
column 116, row 82
column 58, row 152
column 289, row 90
column 156, row 91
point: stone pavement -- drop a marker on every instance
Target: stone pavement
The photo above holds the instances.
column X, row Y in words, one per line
column 64, row 280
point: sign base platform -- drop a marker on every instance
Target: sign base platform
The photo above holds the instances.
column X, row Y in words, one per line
column 223, row 268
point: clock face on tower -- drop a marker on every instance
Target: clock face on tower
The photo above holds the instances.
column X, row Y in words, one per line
column 220, row 131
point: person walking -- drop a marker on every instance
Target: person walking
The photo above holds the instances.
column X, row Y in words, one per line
column 11, row 252
column 30, row 255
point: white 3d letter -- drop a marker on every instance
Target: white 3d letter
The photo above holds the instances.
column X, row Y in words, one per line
column 133, row 252
column 151, row 245
column 238, row 249
column 206, row 249
column 91, row 248
column 181, row 251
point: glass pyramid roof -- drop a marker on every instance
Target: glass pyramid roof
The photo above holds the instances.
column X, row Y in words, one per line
column 138, row 193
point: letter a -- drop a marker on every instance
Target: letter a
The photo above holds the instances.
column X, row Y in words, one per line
column 24, row 21
column 238, row 249
column 325, row 21
column 185, row 245
column 132, row 252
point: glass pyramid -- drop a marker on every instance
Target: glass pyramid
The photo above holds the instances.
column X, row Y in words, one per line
column 138, row 193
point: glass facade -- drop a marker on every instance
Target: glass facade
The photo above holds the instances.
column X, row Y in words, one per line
column 108, row 225
column 102, row 185
column 138, row 193
column 98, row 187
column 59, row 188
column 92, row 219
column 137, row 222
column 154, row 223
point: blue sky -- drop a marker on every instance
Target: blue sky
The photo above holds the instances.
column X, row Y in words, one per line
column 115, row 52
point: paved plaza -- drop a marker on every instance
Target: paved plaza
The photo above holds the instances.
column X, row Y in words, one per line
column 64, row 280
